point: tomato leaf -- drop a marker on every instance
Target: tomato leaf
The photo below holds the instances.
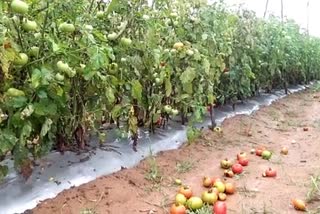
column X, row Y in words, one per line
column 46, row 127
column 188, row 75
column 8, row 141
column 110, row 95
column 136, row 91
column 25, row 132
column 45, row 107
column 168, row 87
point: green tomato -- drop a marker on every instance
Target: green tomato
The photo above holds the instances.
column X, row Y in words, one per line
column 13, row 92
column 174, row 112
column 190, row 52
column 180, row 199
column 167, row 109
column 37, row 35
column 195, row 203
column 59, row 77
column 266, row 155
column 29, row 26
column 22, row 59
column 145, row 17
column 173, row 15
column 19, row 6
column 66, row 27
column 88, row 27
column 34, row 51
column 71, row 73
column 63, row 67
column 126, row 41
column 158, row 81
column 100, row 14
column 112, row 36
column 113, row 68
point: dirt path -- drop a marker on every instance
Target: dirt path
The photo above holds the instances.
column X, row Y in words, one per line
column 280, row 124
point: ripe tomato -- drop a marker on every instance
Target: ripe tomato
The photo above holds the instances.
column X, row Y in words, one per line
column 207, row 182
column 237, row 168
column 230, row 188
column 220, row 207
column 243, row 161
column 178, row 209
column 241, row 155
column 186, row 191
column 19, row 6
column 271, row 172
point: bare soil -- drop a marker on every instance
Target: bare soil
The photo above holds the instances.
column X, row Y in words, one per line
column 281, row 124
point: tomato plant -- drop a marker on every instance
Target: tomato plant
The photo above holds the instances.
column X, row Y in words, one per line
column 67, row 68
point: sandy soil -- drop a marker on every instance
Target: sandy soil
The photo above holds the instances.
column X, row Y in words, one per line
column 281, row 124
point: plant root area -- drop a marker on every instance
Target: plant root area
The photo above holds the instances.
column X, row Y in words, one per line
column 292, row 122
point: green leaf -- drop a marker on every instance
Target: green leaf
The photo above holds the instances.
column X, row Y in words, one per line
column 168, row 87
column 116, row 111
column 41, row 77
column 7, row 141
column 16, row 102
column 110, row 95
column 188, row 75
column 25, row 132
column 45, row 107
column 46, row 127
column 136, row 91
column 3, row 171
column 112, row 6
column 188, row 88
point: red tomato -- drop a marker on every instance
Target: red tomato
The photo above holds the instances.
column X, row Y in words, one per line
column 271, row 173
column 178, row 209
column 243, row 161
column 186, row 191
column 237, row 168
column 220, row 207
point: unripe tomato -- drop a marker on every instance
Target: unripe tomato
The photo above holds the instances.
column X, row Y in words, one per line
column 29, row 25
column 22, row 59
column 126, row 41
column 13, row 92
column 88, row 27
column 34, row 51
column 66, row 27
column 63, row 67
column 37, row 35
column 19, row 6
column 59, row 77
column 112, row 36
column 100, row 14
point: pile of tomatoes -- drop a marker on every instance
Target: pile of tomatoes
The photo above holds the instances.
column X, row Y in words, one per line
column 217, row 189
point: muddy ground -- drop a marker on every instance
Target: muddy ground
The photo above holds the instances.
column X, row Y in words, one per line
column 150, row 188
